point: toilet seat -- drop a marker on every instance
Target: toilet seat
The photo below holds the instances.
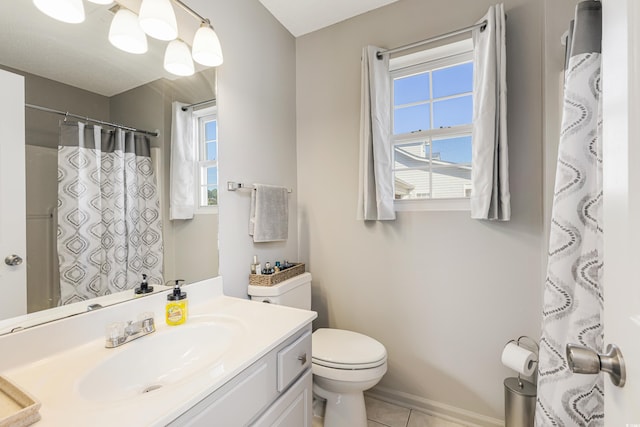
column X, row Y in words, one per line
column 346, row 350
column 350, row 375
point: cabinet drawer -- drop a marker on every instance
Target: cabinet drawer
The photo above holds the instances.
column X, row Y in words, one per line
column 293, row 360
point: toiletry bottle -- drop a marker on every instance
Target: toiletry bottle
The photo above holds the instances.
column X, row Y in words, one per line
column 255, row 265
column 144, row 287
column 177, row 306
column 267, row 268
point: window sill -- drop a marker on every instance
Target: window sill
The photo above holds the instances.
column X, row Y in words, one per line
column 209, row 210
column 432, row 205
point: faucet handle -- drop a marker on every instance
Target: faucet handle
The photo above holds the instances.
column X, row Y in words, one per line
column 147, row 321
column 114, row 333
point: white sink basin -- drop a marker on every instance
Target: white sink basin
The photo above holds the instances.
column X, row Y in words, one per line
column 167, row 356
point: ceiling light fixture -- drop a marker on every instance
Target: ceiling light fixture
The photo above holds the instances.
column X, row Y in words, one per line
column 69, row 11
column 125, row 32
column 206, row 48
column 158, row 19
column 177, row 58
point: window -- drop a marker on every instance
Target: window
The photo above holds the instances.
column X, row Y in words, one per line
column 206, row 130
column 432, row 123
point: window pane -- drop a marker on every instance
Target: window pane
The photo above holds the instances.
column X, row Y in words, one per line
column 411, row 119
column 211, row 131
column 412, row 184
column 411, row 89
column 453, row 150
column 212, row 176
column 412, row 155
column 453, row 80
column 450, row 181
column 212, row 150
column 212, row 196
column 452, row 112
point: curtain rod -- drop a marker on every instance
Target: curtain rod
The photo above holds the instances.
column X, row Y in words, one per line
column 197, row 104
column 87, row 119
column 482, row 25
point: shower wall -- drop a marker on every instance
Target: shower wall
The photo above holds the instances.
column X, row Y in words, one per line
column 43, row 281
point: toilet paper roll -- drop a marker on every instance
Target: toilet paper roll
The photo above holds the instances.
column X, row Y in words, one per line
column 519, row 359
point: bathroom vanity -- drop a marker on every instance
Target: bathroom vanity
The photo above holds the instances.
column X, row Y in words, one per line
column 234, row 362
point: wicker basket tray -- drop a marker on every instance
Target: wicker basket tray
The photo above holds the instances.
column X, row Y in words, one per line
column 275, row 278
column 17, row 407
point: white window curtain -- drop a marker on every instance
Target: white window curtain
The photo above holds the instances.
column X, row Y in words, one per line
column 182, row 168
column 490, row 197
column 375, row 186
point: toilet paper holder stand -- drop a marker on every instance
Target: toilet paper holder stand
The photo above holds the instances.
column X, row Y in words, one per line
column 517, row 341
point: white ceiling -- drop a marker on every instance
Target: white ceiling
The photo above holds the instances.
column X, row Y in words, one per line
column 304, row 16
column 80, row 54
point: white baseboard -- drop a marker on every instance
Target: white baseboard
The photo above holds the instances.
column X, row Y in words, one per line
column 437, row 409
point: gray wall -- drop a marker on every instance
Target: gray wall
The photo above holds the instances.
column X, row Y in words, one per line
column 191, row 246
column 443, row 292
column 42, row 128
column 256, row 101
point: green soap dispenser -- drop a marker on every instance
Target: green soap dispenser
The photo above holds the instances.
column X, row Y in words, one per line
column 177, row 309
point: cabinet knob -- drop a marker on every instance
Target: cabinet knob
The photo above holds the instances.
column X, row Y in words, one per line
column 303, row 358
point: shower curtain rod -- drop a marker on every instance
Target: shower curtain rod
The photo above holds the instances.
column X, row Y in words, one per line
column 88, row 119
column 482, row 25
column 197, row 104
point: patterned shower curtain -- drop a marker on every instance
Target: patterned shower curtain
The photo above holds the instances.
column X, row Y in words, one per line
column 109, row 229
column 573, row 297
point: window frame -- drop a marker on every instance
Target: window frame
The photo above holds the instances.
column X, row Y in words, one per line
column 430, row 60
column 201, row 164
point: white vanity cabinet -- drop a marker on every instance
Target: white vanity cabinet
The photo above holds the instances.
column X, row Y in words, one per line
column 276, row 390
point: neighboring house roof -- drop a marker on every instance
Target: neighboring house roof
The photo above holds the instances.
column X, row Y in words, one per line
column 411, row 160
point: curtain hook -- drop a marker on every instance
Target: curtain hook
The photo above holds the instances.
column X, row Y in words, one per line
column 66, row 115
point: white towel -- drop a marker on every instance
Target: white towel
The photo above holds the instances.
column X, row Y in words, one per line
column 183, row 157
column 269, row 216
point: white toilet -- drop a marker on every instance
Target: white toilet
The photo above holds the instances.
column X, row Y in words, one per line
column 345, row 363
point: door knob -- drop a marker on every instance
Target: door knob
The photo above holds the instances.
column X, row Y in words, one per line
column 13, row 260
column 583, row 360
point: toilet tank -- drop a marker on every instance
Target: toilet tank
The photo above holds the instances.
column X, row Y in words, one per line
column 294, row 292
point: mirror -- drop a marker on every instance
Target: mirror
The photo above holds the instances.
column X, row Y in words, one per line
column 73, row 67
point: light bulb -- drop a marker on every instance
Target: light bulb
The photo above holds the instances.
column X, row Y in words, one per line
column 125, row 32
column 177, row 59
column 158, row 19
column 69, row 11
column 206, row 47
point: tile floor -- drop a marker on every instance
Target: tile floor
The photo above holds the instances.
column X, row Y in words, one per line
column 383, row 414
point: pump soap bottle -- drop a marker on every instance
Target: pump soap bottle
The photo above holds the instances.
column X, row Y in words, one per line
column 144, row 287
column 177, row 306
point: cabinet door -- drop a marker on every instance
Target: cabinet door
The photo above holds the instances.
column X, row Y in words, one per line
column 235, row 403
column 293, row 408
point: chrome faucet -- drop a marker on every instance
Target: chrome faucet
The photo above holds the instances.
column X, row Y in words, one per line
column 120, row 333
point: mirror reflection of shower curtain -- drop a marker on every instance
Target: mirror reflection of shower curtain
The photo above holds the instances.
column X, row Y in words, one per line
column 573, row 296
column 109, row 229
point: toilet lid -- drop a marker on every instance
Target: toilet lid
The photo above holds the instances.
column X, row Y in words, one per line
column 338, row 348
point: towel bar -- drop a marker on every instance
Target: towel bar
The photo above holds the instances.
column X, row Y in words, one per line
column 233, row 186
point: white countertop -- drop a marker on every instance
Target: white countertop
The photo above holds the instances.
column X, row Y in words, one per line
column 54, row 378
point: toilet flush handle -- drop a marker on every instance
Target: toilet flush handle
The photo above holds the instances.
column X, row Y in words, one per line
column 303, row 358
